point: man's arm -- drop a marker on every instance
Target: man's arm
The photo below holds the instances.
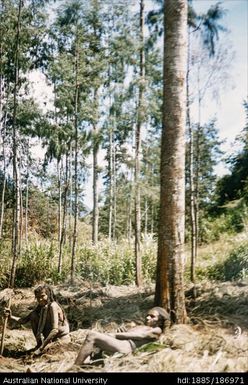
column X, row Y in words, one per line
column 20, row 320
column 139, row 333
column 54, row 328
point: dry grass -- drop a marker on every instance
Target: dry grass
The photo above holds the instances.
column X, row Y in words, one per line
column 207, row 344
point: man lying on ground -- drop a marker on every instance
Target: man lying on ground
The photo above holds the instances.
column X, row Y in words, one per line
column 125, row 342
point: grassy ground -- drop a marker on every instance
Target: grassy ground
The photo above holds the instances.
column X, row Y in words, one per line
column 209, row 342
column 214, row 253
column 215, row 338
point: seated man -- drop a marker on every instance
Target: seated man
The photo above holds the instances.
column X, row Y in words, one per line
column 48, row 319
column 125, row 342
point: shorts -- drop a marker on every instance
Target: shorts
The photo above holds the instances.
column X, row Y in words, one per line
column 133, row 345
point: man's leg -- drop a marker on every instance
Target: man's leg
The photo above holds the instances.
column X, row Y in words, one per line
column 104, row 342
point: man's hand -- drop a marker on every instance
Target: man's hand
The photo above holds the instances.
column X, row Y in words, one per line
column 38, row 352
column 121, row 329
column 7, row 312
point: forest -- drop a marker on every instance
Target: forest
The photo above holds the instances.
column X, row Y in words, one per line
column 109, row 190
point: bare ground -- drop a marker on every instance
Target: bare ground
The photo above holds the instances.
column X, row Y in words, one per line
column 214, row 340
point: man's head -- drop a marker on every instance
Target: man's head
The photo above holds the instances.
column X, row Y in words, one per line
column 44, row 295
column 157, row 317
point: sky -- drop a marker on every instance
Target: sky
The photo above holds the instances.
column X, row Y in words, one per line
column 230, row 111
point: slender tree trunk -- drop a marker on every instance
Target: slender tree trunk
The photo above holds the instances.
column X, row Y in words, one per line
column 95, row 177
column 3, row 201
column 191, row 175
column 152, row 220
column 75, row 230
column 130, row 209
column 110, row 222
column 70, row 205
column 114, row 195
column 140, row 120
column 21, row 222
column 60, row 200
column 146, row 206
column 170, row 267
column 63, row 232
column 16, row 213
column 130, row 215
column 3, row 131
column 197, row 162
column 26, row 208
column 48, row 207
column 146, row 218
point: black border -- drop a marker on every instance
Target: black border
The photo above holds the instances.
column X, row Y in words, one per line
column 130, row 378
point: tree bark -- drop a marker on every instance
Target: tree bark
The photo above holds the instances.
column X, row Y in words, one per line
column 110, row 221
column 75, row 230
column 3, row 132
column 63, row 230
column 16, row 211
column 191, row 175
column 95, row 177
column 140, row 119
column 170, row 266
column 60, row 200
column 26, row 207
column 114, row 193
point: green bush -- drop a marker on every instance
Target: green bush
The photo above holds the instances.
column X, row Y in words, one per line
column 230, row 222
column 5, row 263
column 104, row 263
column 114, row 264
column 35, row 264
column 149, row 261
column 235, row 267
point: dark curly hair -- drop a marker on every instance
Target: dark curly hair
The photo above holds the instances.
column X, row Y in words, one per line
column 51, row 297
column 163, row 316
column 49, row 291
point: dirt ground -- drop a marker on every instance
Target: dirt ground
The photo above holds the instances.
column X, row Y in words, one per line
column 214, row 340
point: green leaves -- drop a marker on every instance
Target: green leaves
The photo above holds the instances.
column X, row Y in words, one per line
column 151, row 347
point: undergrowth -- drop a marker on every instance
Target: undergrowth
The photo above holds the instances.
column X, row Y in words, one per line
column 105, row 263
column 234, row 267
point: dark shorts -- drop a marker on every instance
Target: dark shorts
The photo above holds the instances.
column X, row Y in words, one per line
column 133, row 345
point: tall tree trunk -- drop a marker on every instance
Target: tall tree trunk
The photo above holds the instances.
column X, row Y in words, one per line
column 60, row 200
column 3, row 139
column 16, row 211
column 21, row 222
column 75, row 230
column 140, row 119
column 63, row 232
column 26, row 207
column 3, row 132
column 152, row 219
column 130, row 209
column 191, row 174
column 114, row 194
column 170, row 266
column 197, row 163
column 3, row 200
column 146, row 217
column 110, row 222
column 70, row 205
column 95, row 177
